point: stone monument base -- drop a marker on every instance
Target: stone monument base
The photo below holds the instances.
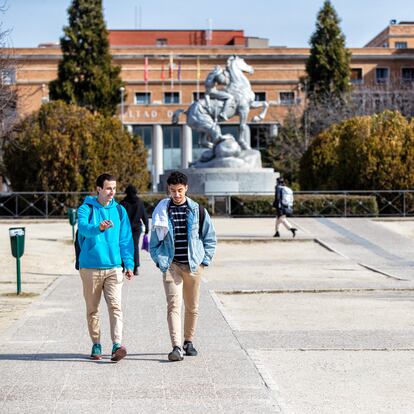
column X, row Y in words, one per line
column 226, row 180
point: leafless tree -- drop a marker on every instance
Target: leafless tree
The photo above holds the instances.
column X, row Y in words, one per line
column 8, row 92
column 395, row 95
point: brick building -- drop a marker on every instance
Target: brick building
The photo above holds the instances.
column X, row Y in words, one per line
column 164, row 70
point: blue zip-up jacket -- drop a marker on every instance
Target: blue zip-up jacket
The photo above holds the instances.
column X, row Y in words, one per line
column 200, row 251
column 104, row 249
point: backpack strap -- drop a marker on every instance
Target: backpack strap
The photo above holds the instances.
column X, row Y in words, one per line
column 120, row 212
column 201, row 218
column 77, row 245
column 90, row 213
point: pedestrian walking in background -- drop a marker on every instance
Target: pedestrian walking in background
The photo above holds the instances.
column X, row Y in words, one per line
column 183, row 242
column 284, row 206
column 105, row 241
column 137, row 217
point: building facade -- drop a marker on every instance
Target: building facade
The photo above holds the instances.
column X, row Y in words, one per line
column 164, row 70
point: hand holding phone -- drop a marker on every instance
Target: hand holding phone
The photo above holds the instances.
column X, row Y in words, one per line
column 105, row 224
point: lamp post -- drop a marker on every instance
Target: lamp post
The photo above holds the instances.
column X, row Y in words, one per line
column 122, row 89
column 45, row 97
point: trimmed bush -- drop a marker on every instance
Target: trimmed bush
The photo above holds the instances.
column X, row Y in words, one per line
column 308, row 205
column 362, row 153
column 63, row 147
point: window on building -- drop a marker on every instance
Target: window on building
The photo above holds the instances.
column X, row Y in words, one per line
column 198, row 95
column 382, row 75
column 171, row 97
column 142, row 98
column 407, row 74
column 197, row 148
column 145, row 133
column 230, row 129
column 161, row 42
column 401, row 45
column 8, row 76
column 260, row 96
column 259, row 136
column 287, row 98
column 356, row 76
column 172, row 150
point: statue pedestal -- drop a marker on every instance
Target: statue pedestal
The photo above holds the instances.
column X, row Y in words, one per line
column 222, row 181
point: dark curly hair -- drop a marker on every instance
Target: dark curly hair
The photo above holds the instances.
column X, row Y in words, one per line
column 177, row 177
column 104, row 177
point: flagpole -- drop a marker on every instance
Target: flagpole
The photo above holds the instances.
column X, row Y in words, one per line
column 146, row 79
column 198, row 77
column 171, row 72
column 162, row 75
column 179, row 76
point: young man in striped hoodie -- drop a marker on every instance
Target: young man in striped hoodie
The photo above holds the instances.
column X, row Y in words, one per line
column 183, row 241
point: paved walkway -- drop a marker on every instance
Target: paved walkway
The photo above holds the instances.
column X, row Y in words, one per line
column 286, row 326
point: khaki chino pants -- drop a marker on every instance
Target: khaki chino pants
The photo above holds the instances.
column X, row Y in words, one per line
column 108, row 281
column 180, row 283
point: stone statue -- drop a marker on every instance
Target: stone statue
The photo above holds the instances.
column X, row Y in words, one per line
column 217, row 77
column 234, row 99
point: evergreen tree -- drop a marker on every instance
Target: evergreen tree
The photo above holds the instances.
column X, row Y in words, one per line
column 328, row 66
column 64, row 147
column 361, row 153
column 86, row 76
column 284, row 152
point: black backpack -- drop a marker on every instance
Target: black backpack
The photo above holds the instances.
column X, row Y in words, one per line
column 77, row 245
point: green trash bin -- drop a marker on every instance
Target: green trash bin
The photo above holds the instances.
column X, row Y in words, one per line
column 73, row 219
column 72, row 215
column 17, row 237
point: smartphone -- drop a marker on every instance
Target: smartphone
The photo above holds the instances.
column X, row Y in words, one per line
column 110, row 223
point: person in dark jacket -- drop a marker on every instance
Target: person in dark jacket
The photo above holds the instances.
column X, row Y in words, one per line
column 137, row 216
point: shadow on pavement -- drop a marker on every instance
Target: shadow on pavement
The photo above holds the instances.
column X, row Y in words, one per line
column 77, row 357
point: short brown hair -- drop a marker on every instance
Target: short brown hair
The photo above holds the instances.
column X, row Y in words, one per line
column 104, row 177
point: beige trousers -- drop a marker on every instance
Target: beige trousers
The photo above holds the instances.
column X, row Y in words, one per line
column 108, row 281
column 180, row 283
column 282, row 220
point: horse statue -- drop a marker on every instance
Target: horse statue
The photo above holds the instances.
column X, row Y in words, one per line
column 236, row 98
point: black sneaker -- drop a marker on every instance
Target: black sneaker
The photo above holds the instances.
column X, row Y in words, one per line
column 176, row 354
column 189, row 349
column 277, row 234
column 293, row 230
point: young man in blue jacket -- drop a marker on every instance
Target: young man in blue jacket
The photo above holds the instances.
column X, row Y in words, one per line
column 105, row 240
column 181, row 250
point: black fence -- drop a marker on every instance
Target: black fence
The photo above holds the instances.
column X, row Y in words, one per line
column 375, row 203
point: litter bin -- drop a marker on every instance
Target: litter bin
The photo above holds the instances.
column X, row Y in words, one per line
column 17, row 237
column 73, row 219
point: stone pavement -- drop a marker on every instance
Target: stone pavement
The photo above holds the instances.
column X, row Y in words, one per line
column 289, row 325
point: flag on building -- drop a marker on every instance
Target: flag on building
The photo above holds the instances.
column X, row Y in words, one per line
column 171, row 71
column 162, row 71
column 179, row 71
column 198, row 74
column 198, row 68
column 146, row 70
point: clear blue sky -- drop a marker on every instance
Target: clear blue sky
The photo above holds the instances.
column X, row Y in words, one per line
column 283, row 22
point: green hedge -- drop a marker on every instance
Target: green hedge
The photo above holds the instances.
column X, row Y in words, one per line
column 307, row 205
column 361, row 153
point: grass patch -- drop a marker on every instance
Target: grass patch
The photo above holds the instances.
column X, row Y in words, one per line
column 22, row 295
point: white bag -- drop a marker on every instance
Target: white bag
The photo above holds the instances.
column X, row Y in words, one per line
column 287, row 197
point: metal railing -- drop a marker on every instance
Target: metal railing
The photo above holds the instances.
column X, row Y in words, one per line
column 375, row 203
